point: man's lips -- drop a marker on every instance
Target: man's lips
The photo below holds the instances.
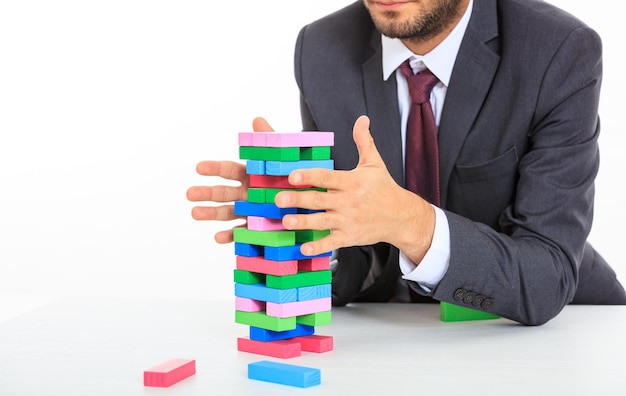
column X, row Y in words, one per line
column 389, row 5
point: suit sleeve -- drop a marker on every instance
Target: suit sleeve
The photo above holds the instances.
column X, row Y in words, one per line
column 528, row 269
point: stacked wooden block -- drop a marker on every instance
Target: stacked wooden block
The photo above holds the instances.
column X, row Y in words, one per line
column 280, row 293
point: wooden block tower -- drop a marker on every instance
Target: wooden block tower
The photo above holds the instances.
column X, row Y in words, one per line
column 280, row 293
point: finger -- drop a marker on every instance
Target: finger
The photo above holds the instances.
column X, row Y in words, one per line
column 319, row 177
column 368, row 154
column 220, row 213
column 314, row 221
column 315, row 200
column 225, row 169
column 216, row 193
column 225, row 236
column 323, row 245
column 259, row 124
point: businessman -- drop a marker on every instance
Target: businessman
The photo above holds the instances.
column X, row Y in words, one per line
column 503, row 222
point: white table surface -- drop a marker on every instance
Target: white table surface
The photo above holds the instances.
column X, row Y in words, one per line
column 101, row 347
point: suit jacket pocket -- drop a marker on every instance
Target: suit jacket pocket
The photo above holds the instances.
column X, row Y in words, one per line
column 482, row 191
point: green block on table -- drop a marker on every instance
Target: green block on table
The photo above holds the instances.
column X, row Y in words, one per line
column 269, row 153
column 261, row 320
column 301, row 279
column 455, row 313
column 315, row 319
column 264, row 238
column 315, row 153
column 248, row 278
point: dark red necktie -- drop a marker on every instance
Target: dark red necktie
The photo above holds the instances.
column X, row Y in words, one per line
column 421, row 163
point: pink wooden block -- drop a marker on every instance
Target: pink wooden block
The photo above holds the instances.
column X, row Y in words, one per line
column 249, row 305
column 271, row 181
column 314, row 264
column 264, row 266
column 315, row 343
column 258, row 223
column 169, row 372
column 297, row 308
column 245, row 138
column 252, row 138
column 283, row 349
column 300, row 139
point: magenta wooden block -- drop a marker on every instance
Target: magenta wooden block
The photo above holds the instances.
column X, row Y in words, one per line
column 315, row 343
column 283, row 349
column 297, row 308
column 259, row 223
column 249, row 305
column 314, row 264
column 169, row 372
column 269, row 181
column 264, row 266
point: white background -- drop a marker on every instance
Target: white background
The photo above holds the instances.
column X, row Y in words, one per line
column 107, row 106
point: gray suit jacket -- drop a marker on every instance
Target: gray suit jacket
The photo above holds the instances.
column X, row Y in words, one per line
column 518, row 154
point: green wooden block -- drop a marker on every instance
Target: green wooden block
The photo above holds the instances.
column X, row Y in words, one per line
column 310, row 235
column 315, row 153
column 249, row 278
column 301, row 279
column 270, row 193
column 260, row 319
column 265, row 238
column 315, row 319
column 256, row 195
column 269, row 153
column 455, row 313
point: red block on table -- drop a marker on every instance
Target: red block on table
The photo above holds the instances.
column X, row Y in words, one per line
column 283, row 349
column 169, row 372
column 315, row 343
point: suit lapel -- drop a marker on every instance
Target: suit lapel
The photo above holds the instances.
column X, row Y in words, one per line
column 473, row 72
column 381, row 101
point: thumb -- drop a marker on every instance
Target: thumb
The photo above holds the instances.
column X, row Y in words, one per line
column 259, row 124
column 368, row 154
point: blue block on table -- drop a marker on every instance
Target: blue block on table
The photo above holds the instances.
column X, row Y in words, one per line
column 285, row 374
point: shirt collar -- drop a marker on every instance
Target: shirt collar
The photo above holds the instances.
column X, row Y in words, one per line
column 440, row 60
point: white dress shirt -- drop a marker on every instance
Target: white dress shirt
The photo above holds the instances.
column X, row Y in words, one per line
column 440, row 61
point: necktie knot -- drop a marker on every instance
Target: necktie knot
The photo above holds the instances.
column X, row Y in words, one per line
column 420, row 84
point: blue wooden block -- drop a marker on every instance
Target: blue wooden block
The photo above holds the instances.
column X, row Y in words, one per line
column 314, row 292
column 309, row 211
column 263, row 293
column 284, row 168
column 282, row 253
column 285, row 374
column 255, row 167
column 265, row 335
column 248, row 250
column 269, row 210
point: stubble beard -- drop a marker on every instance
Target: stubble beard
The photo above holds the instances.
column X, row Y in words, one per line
column 421, row 27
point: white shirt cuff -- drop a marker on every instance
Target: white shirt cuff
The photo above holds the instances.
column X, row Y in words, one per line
column 435, row 263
